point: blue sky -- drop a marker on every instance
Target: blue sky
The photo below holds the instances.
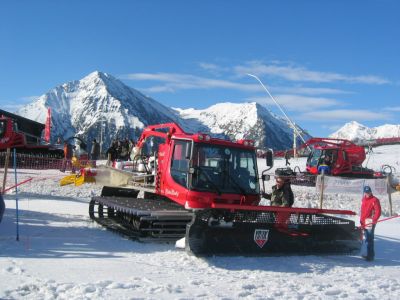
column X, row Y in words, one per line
column 326, row 62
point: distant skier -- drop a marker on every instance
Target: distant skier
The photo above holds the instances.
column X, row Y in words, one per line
column 370, row 213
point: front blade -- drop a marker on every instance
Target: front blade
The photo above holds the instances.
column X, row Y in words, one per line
column 220, row 231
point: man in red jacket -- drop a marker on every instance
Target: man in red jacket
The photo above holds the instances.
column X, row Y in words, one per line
column 370, row 213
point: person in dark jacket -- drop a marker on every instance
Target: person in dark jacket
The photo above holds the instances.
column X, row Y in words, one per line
column 325, row 165
column 287, row 157
column 282, row 194
column 95, row 151
column 370, row 213
column 112, row 153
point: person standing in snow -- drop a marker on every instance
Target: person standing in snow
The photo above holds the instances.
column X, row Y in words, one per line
column 112, row 153
column 67, row 155
column 287, row 157
column 282, row 194
column 325, row 166
column 95, row 151
column 131, row 146
column 370, row 213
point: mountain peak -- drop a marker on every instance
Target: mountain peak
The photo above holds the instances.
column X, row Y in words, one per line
column 99, row 77
column 248, row 120
column 100, row 104
column 355, row 131
column 95, row 74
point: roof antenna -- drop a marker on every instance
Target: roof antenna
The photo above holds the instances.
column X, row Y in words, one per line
column 280, row 108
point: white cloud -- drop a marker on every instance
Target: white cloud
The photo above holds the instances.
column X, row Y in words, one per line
column 213, row 68
column 28, row 99
column 15, row 105
column 11, row 107
column 310, row 91
column 301, row 74
column 343, row 115
column 332, row 127
column 173, row 82
column 392, row 108
column 297, row 103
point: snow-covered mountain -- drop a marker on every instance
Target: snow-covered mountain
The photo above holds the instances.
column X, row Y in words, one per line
column 243, row 121
column 357, row 132
column 82, row 107
column 102, row 107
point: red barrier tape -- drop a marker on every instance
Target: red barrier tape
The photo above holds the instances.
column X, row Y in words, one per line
column 383, row 220
column 22, row 182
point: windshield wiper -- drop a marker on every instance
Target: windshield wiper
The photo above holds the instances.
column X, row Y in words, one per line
column 241, row 189
column 226, row 172
column 209, row 180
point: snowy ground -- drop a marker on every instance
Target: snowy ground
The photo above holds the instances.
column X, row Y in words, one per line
column 61, row 254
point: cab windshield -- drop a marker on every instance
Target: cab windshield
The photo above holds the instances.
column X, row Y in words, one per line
column 313, row 158
column 317, row 156
column 224, row 169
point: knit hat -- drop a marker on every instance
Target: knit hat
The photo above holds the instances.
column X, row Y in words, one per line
column 367, row 189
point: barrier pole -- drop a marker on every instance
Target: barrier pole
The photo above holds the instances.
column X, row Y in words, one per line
column 321, row 198
column 389, row 190
column 5, row 170
column 16, row 191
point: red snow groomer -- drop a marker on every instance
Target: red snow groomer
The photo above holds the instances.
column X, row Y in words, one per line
column 343, row 157
column 207, row 190
column 25, row 136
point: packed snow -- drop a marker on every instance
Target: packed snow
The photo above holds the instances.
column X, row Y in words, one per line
column 62, row 254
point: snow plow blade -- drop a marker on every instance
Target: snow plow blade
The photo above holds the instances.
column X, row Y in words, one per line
column 271, row 231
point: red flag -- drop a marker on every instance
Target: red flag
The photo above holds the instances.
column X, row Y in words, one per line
column 47, row 128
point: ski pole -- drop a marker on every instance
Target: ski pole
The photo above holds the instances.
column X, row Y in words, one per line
column 16, row 191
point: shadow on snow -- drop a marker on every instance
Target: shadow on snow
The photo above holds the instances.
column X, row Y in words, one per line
column 44, row 235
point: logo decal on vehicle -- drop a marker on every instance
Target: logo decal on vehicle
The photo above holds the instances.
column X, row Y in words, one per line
column 261, row 237
column 171, row 192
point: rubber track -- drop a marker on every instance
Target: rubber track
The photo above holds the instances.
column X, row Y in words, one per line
column 156, row 220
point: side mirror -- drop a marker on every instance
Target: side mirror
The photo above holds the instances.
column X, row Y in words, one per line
column 265, row 177
column 269, row 158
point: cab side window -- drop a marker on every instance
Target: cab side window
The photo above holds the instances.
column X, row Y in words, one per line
column 180, row 162
column 151, row 145
column 2, row 128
